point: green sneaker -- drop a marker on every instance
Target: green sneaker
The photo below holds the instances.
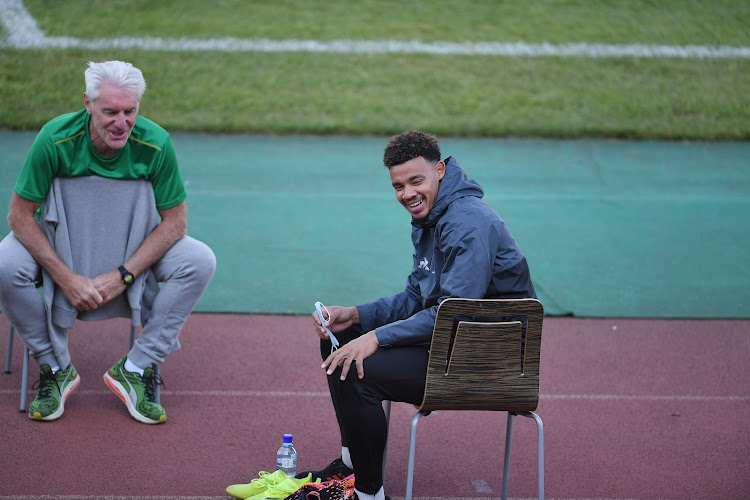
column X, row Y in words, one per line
column 52, row 391
column 137, row 392
column 257, row 485
column 282, row 489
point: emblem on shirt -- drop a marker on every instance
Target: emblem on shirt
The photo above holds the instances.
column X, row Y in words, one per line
column 424, row 264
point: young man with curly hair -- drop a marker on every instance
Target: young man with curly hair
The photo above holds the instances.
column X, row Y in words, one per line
column 462, row 248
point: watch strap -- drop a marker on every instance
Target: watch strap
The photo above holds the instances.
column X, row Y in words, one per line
column 127, row 276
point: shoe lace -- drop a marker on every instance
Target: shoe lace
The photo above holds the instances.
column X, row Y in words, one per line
column 150, row 381
column 47, row 381
column 264, row 478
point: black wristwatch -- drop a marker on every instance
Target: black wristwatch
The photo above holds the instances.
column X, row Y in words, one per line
column 127, row 276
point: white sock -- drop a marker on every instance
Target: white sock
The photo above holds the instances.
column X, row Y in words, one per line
column 345, row 457
column 129, row 366
column 55, row 369
column 380, row 495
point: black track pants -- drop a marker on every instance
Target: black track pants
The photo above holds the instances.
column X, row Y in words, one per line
column 394, row 374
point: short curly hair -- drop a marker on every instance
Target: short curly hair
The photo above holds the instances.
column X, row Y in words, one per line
column 409, row 145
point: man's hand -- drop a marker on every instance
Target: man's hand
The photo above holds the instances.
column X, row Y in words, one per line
column 81, row 293
column 109, row 285
column 340, row 319
column 353, row 352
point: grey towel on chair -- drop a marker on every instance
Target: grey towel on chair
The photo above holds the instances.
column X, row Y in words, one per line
column 95, row 224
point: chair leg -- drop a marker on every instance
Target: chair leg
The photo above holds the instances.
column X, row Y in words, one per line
column 132, row 335
column 387, row 411
column 506, row 461
column 24, row 370
column 24, row 378
column 539, row 452
column 412, row 450
column 8, row 354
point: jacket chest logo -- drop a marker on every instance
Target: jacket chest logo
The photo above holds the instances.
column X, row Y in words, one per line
column 424, row 264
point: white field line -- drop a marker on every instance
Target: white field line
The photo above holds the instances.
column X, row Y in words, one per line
column 22, row 32
column 543, row 397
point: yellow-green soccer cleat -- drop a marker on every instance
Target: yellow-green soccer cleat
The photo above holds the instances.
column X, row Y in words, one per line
column 282, row 489
column 257, row 485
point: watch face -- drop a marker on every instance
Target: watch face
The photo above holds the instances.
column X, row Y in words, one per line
column 128, row 279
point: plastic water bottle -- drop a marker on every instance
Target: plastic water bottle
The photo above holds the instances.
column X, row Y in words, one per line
column 286, row 457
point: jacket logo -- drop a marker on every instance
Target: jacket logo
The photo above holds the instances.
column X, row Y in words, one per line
column 424, row 264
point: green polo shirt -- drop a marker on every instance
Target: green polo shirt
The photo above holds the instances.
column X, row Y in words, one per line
column 63, row 149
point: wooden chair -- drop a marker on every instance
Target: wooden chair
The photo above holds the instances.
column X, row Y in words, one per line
column 483, row 357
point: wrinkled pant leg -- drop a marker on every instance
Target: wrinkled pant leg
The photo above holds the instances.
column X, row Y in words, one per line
column 333, row 382
column 186, row 269
column 395, row 374
column 24, row 307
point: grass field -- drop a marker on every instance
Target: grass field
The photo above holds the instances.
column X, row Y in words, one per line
column 376, row 94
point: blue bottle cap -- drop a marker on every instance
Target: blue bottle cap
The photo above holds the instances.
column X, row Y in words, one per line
column 287, row 438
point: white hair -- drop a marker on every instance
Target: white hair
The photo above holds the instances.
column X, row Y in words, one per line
column 124, row 75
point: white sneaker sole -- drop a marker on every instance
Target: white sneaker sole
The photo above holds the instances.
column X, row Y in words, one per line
column 122, row 393
column 63, row 396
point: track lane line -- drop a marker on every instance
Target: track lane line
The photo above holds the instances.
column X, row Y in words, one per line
column 542, row 397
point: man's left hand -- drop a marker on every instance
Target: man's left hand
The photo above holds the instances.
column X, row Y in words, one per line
column 352, row 352
column 109, row 285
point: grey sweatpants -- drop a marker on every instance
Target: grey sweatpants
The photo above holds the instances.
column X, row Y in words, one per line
column 185, row 271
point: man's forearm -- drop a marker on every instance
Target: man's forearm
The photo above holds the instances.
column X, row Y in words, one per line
column 169, row 231
column 27, row 231
column 153, row 248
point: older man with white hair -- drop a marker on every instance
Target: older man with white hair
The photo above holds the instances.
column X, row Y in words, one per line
column 108, row 139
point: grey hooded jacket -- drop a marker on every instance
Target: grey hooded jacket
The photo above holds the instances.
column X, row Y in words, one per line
column 461, row 249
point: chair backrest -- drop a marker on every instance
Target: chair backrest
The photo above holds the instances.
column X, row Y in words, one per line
column 485, row 355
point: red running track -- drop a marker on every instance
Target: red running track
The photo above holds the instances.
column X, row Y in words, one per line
column 632, row 409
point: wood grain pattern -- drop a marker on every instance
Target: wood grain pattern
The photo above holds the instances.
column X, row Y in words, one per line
column 478, row 360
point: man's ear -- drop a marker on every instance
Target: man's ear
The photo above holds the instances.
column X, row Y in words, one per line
column 87, row 102
column 440, row 169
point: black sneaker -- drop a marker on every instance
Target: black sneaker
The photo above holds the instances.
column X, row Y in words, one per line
column 336, row 470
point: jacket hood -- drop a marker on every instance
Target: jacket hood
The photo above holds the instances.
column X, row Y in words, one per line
column 453, row 185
